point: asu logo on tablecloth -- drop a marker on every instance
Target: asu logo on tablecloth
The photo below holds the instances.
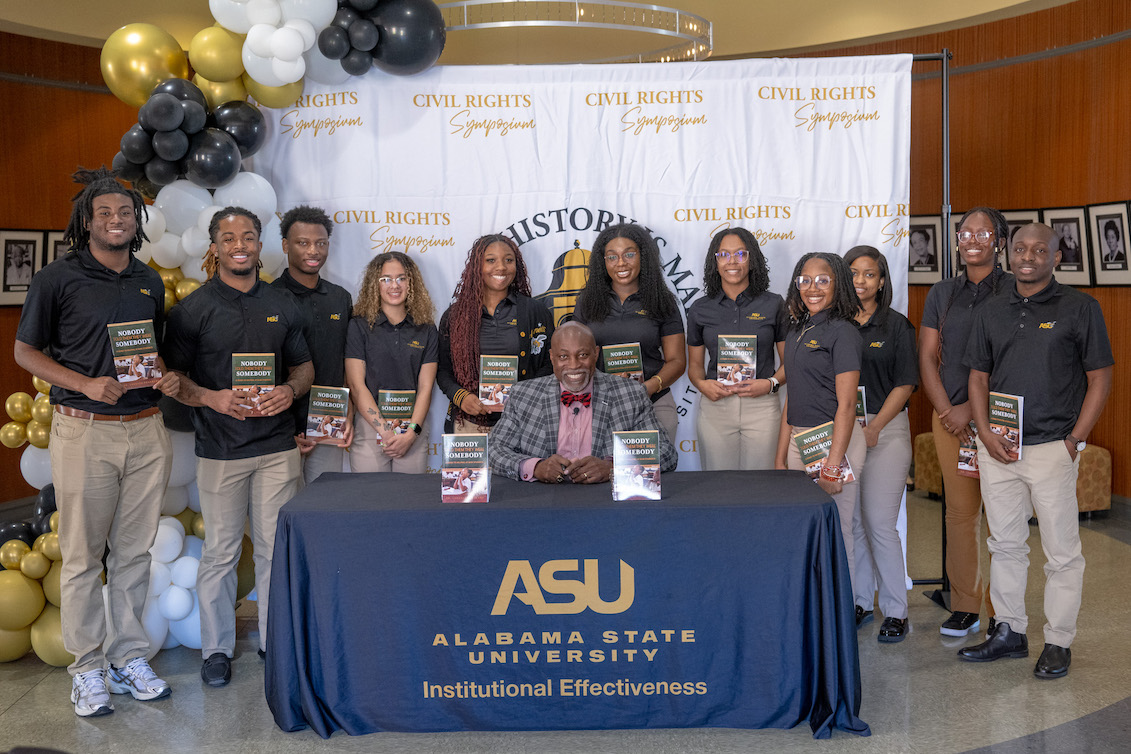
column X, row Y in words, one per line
column 585, row 592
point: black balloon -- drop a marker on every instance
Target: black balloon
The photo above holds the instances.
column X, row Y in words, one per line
column 45, row 500
column 244, row 123
column 357, row 63
column 143, row 121
column 363, row 35
column 146, row 187
column 195, row 117
column 161, row 172
column 334, row 42
column 41, row 525
column 170, row 145
column 21, row 530
column 213, row 158
column 126, row 170
column 344, row 18
column 412, row 36
column 136, row 145
column 363, row 5
column 182, row 89
column 162, row 111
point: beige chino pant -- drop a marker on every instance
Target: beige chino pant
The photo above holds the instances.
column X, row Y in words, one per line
column 738, row 433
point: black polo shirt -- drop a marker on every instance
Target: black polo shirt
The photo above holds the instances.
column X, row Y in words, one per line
column 498, row 332
column 763, row 315
column 1041, row 347
column 889, row 358
column 815, row 353
column 629, row 322
column 204, row 331
column 326, row 317
column 954, row 302
column 66, row 311
column 393, row 354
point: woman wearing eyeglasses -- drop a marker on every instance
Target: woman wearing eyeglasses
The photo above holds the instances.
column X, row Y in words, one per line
column 948, row 317
column 889, row 373
column 392, row 345
column 738, row 419
column 625, row 300
column 822, row 364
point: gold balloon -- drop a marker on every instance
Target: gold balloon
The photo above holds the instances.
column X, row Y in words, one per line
column 38, row 434
column 217, row 54
column 13, row 434
column 219, row 92
column 47, row 638
column 50, row 584
column 41, row 410
column 170, row 299
column 170, row 276
column 50, row 545
column 41, row 385
column 53, row 522
column 35, row 565
column 11, row 552
column 273, row 96
column 245, row 570
column 185, row 287
column 18, row 407
column 14, row 644
column 138, row 57
column 198, row 525
column 185, row 517
column 21, row 599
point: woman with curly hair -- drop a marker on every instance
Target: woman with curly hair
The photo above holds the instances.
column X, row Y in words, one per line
column 492, row 314
column 737, row 422
column 822, row 363
column 392, row 345
column 625, row 300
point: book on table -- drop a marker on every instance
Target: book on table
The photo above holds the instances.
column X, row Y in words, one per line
column 636, row 465
column 464, row 475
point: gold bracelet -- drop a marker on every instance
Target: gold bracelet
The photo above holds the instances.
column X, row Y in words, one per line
column 659, row 380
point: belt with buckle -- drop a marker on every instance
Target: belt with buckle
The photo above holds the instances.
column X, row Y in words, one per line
column 68, row 411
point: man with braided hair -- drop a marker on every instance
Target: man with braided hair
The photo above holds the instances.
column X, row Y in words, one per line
column 110, row 454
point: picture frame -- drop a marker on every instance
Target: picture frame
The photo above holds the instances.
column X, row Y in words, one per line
column 1108, row 226
column 1017, row 218
column 1071, row 225
column 54, row 247
column 926, row 245
column 22, row 252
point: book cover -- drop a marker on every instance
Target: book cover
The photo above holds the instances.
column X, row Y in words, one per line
column 623, row 360
column 1007, row 417
column 738, row 359
column 253, row 370
column 862, row 405
column 326, row 419
column 636, row 465
column 814, row 446
column 395, row 407
column 497, row 374
column 968, row 455
column 135, row 353
column 464, row 476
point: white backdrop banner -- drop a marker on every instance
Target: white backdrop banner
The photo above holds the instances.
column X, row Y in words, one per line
column 808, row 154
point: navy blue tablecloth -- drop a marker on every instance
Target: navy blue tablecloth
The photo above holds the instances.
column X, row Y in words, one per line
column 725, row 604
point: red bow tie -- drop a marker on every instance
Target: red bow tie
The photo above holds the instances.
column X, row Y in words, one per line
column 568, row 398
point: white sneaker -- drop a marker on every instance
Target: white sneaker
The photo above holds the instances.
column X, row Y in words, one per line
column 138, row 679
column 89, row 694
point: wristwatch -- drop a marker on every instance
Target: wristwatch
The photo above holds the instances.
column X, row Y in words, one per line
column 414, row 427
column 1080, row 444
column 774, row 384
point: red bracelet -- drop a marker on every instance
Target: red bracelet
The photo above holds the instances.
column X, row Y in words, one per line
column 833, row 476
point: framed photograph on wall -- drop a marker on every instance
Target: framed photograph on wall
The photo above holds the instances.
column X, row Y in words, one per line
column 22, row 250
column 1017, row 218
column 1071, row 225
column 925, row 248
column 1108, row 225
column 55, row 247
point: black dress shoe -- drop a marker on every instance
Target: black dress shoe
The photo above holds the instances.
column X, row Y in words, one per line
column 1003, row 643
column 893, row 630
column 862, row 616
column 262, row 654
column 1053, row 663
column 216, row 670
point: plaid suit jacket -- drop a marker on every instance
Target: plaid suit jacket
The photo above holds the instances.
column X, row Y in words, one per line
column 528, row 427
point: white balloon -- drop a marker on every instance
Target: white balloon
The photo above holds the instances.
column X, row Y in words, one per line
column 230, row 14
column 195, row 242
column 145, row 253
column 184, row 458
column 184, row 571
column 176, row 500
column 252, row 192
column 154, row 224
column 181, row 202
column 289, row 71
column 322, row 70
column 286, row 43
column 264, row 12
column 35, row 465
column 204, row 219
column 259, row 39
column 156, row 626
column 192, row 270
column 172, row 522
column 272, row 255
column 175, row 603
column 194, row 546
column 167, row 545
column 170, row 640
column 187, row 630
column 306, row 31
column 259, row 68
column 318, row 12
column 159, row 578
column 193, row 496
column 167, row 251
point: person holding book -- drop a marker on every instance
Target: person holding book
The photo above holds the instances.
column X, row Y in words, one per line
column 625, row 300
column 248, row 465
column 948, row 316
column 110, row 454
column 822, row 364
column 392, row 351
column 492, row 313
column 326, row 308
column 1044, row 349
column 889, row 373
column 559, row 428
column 738, row 420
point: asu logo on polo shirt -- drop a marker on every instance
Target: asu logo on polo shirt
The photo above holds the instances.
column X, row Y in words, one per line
column 641, row 312
column 273, row 318
column 514, row 321
column 144, row 292
column 813, row 344
column 1047, row 325
column 335, row 316
column 584, row 591
column 755, row 317
column 876, row 344
column 415, row 344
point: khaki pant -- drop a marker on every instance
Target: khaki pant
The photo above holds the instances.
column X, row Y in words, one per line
column 232, row 492
column 323, row 458
column 738, row 433
column 666, row 415
column 109, row 482
column 1046, row 476
column 848, row 499
column 367, row 455
column 877, row 546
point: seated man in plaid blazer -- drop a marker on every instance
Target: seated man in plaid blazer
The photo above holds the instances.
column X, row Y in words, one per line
column 559, row 429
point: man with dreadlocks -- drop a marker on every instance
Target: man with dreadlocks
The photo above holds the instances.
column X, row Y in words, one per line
column 248, row 465
column 110, row 455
